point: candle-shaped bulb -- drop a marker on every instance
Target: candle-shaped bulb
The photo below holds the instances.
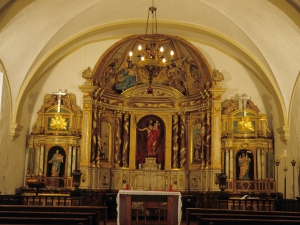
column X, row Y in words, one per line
column 172, row 53
column 140, row 48
column 164, row 60
column 130, row 53
column 161, row 49
column 143, row 58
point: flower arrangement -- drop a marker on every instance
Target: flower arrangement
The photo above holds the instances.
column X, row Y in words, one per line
column 160, row 158
column 140, row 158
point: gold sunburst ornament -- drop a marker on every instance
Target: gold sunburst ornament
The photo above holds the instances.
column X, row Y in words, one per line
column 245, row 125
column 58, row 123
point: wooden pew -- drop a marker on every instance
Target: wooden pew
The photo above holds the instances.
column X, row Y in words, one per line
column 234, row 221
column 192, row 213
column 100, row 211
column 33, row 214
column 46, row 220
column 250, row 217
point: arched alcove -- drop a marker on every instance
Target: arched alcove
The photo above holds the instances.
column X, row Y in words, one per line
column 56, row 162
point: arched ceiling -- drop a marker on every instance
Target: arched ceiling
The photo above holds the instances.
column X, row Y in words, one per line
column 265, row 35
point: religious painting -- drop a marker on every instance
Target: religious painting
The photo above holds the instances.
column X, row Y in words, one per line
column 198, row 144
column 270, row 165
column 150, row 139
column 105, row 141
column 244, row 165
column 56, row 162
column 126, row 78
column 31, row 161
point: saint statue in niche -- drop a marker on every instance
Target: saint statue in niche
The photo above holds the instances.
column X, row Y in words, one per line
column 56, row 161
column 153, row 135
column 244, row 165
column 150, row 139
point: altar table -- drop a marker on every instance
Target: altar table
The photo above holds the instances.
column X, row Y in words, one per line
column 126, row 197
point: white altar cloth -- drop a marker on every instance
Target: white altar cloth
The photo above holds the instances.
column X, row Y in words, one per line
column 121, row 204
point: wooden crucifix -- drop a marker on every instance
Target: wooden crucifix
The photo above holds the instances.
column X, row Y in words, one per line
column 59, row 94
column 244, row 99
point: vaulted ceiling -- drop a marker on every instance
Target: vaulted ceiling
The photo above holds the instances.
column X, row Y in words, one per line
column 263, row 34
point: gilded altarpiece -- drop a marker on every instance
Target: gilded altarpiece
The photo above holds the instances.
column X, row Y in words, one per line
column 54, row 144
column 148, row 125
column 247, row 148
column 141, row 116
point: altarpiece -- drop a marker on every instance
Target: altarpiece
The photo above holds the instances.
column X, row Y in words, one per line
column 152, row 116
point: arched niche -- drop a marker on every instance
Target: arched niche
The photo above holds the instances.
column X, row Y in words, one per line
column 244, row 165
column 59, row 160
column 151, row 139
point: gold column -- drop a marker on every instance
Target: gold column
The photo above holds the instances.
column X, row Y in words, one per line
column 182, row 141
column 86, row 124
column 125, row 150
column 99, row 113
column 216, row 128
column 175, row 142
column 86, row 127
column 118, row 140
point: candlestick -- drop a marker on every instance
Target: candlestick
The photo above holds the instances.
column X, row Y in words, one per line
column 293, row 162
column 277, row 164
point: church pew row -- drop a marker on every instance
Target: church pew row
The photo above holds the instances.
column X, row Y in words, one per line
column 100, row 212
column 239, row 216
column 46, row 220
column 234, row 221
column 32, row 214
column 193, row 213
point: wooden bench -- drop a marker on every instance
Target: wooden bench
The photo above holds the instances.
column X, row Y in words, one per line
column 100, row 212
column 234, row 221
column 46, row 220
column 193, row 213
column 32, row 214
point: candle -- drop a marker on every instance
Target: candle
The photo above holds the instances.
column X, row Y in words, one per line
column 172, row 54
column 130, row 54
column 293, row 157
column 277, row 157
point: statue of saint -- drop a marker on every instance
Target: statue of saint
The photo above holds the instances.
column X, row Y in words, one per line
column 56, row 160
column 244, row 163
column 153, row 135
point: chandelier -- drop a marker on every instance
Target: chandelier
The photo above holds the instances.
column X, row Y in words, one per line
column 153, row 57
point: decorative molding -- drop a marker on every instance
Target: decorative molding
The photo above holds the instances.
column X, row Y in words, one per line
column 284, row 134
column 15, row 131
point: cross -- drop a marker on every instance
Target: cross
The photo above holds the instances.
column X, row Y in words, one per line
column 244, row 97
column 59, row 94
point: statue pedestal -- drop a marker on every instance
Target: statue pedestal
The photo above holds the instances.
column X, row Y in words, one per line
column 150, row 163
column 54, row 182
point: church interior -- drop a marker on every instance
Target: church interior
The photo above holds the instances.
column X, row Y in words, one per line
column 199, row 97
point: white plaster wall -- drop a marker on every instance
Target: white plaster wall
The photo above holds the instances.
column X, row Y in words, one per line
column 293, row 146
column 67, row 74
column 11, row 152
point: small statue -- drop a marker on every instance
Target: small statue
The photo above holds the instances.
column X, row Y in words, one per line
column 251, row 105
column 231, row 107
column 49, row 100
